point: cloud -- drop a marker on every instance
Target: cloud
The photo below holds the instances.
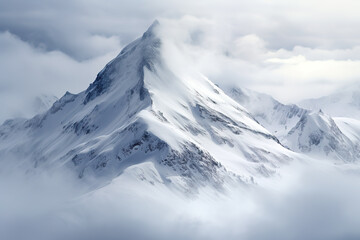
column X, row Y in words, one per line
column 62, row 45
column 27, row 72
column 312, row 200
column 248, row 61
column 78, row 29
column 283, row 24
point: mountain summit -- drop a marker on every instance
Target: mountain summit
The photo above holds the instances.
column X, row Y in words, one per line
column 129, row 64
column 142, row 119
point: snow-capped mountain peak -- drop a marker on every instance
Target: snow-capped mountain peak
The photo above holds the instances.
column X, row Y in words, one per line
column 157, row 124
column 129, row 64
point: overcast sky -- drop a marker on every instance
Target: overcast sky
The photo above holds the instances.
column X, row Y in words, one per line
column 290, row 49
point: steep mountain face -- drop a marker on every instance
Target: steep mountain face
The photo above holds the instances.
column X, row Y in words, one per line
column 176, row 127
column 343, row 103
column 301, row 130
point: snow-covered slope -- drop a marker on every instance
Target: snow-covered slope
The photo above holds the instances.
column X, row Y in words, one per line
column 343, row 103
column 350, row 127
column 313, row 133
column 156, row 123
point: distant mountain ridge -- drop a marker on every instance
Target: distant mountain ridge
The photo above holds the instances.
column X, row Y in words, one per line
column 310, row 132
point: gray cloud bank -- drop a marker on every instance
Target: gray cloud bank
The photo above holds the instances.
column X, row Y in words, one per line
column 290, row 49
column 67, row 25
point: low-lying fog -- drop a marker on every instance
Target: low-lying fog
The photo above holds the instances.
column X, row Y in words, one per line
column 313, row 200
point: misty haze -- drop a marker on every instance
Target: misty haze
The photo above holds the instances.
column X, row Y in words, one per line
column 179, row 120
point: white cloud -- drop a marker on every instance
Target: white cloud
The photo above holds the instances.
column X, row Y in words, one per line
column 312, row 200
column 27, row 72
column 288, row 75
column 252, row 44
